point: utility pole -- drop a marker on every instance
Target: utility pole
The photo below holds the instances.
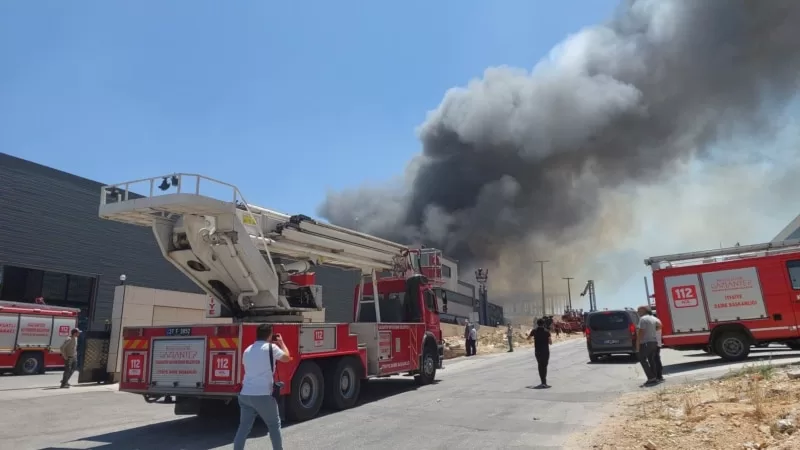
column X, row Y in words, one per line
column 569, row 292
column 544, row 305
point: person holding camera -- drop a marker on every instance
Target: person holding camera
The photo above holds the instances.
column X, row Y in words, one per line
column 258, row 394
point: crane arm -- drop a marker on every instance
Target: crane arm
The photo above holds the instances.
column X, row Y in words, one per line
column 245, row 255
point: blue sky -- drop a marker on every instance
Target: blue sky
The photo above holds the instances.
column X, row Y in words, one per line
column 286, row 100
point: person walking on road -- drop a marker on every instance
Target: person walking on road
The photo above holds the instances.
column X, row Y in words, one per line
column 542, row 340
column 647, row 344
column 69, row 351
column 256, row 397
column 510, row 334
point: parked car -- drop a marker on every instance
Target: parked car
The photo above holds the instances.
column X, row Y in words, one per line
column 611, row 332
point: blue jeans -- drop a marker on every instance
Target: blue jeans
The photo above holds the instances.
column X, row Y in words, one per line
column 264, row 406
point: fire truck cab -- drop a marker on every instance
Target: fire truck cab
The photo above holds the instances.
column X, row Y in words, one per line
column 258, row 265
column 727, row 300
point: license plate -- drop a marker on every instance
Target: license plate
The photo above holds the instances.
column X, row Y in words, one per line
column 179, row 331
column 610, row 341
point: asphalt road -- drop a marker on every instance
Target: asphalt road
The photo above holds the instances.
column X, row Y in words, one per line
column 481, row 402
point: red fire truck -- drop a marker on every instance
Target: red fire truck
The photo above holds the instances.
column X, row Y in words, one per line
column 258, row 264
column 31, row 335
column 730, row 299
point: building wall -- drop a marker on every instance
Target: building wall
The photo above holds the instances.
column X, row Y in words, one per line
column 49, row 221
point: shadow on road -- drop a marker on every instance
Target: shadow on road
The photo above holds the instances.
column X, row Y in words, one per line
column 194, row 433
column 717, row 362
column 615, row 359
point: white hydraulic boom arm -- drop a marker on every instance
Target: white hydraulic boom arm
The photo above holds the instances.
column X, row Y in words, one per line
column 231, row 248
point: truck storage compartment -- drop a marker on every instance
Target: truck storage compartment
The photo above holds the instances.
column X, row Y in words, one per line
column 178, row 362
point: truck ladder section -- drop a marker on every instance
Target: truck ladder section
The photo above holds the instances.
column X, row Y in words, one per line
column 202, row 235
column 722, row 254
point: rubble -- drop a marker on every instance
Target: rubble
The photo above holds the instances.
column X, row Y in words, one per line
column 492, row 340
column 757, row 407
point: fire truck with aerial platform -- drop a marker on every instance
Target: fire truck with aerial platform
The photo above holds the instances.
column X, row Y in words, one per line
column 258, row 265
column 726, row 300
column 31, row 336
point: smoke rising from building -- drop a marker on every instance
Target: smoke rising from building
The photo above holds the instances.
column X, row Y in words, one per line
column 552, row 163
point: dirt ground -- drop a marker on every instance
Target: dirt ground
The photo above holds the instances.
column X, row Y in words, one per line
column 493, row 340
column 757, row 407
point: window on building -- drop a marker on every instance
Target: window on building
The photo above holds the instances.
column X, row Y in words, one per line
column 794, row 273
column 80, row 289
column 54, row 288
column 446, row 271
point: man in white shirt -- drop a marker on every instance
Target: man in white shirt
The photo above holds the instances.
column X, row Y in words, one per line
column 659, row 368
column 473, row 340
column 255, row 398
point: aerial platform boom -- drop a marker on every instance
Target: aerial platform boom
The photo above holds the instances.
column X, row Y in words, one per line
column 245, row 255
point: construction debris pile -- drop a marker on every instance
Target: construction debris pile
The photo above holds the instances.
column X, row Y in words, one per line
column 754, row 408
column 492, row 340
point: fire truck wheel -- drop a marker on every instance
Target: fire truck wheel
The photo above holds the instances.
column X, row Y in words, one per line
column 732, row 346
column 307, row 392
column 343, row 384
column 427, row 373
column 29, row 363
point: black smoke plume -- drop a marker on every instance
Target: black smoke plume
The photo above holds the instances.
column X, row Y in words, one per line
column 514, row 164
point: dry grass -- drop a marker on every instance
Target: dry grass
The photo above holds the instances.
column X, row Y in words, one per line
column 755, row 407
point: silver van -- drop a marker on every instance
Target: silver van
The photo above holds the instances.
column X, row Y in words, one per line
column 611, row 332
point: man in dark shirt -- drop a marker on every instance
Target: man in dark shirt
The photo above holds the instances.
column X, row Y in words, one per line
column 541, row 345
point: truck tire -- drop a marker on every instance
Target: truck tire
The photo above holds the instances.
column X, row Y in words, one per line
column 343, row 384
column 427, row 370
column 308, row 392
column 29, row 363
column 732, row 346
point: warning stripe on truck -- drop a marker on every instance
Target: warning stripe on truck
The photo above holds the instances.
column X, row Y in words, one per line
column 135, row 344
column 223, row 343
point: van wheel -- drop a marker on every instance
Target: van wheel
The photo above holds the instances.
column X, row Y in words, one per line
column 29, row 363
column 343, row 384
column 732, row 346
column 427, row 373
column 593, row 358
column 307, row 394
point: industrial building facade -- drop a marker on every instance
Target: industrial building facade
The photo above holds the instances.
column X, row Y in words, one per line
column 53, row 245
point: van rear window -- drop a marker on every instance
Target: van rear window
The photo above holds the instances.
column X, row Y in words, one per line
column 608, row 322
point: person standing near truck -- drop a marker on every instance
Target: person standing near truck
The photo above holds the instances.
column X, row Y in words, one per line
column 659, row 368
column 647, row 343
column 256, row 397
column 510, row 335
column 69, row 351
